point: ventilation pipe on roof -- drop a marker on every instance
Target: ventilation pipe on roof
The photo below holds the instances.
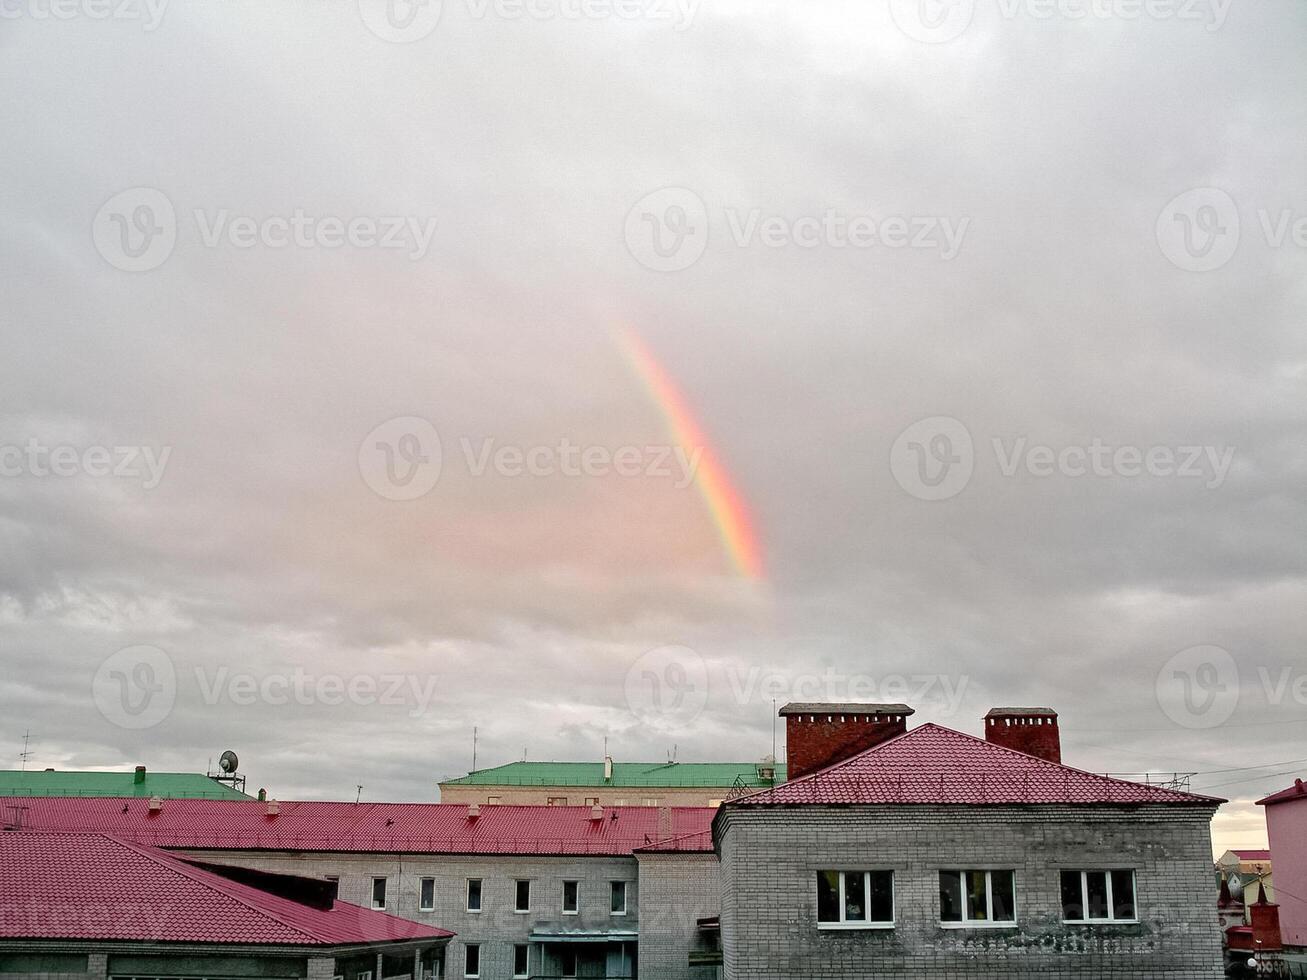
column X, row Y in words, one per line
column 263, row 794
column 608, row 768
column 156, row 804
column 138, row 777
column 274, row 808
column 596, row 812
column 473, row 810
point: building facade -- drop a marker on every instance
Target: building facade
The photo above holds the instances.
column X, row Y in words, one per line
column 609, row 783
column 1286, row 827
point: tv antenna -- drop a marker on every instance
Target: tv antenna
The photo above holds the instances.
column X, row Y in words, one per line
column 26, row 754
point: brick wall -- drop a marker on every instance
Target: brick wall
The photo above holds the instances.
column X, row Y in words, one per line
column 676, row 891
column 770, row 857
column 815, row 741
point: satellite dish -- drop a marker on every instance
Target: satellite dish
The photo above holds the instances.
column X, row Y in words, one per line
column 227, row 762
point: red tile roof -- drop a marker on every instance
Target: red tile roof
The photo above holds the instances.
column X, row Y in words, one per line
column 1298, row 791
column 93, row 886
column 1252, row 855
column 932, row 764
column 415, row 828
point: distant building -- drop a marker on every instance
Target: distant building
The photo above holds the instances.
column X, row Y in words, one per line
column 1248, row 874
column 937, row 854
column 610, row 783
column 138, row 782
column 92, row 907
column 1286, row 826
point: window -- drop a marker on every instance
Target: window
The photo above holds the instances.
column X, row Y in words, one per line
column 492, row 799
column 977, row 898
column 650, row 801
column 569, row 962
column 474, row 894
column 472, row 961
column 855, row 899
column 427, row 895
column 363, row 975
column 618, row 906
column 558, row 801
column 592, row 801
column 1099, row 896
column 333, row 886
column 521, row 960
column 522, row 902
column 570, row 904
column 378, row 893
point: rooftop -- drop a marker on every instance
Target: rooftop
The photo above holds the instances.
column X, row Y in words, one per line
column 1022, row 712
column 410, row 828
column 635, row 775
column 844, row 708
column 96, row 887
column 1298, row 791
column 169, row 785
column 933, row 764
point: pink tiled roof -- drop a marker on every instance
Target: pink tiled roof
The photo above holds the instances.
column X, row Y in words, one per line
column 1298, row 791
column 415, row 828
column 93, row 886
column 932, row 764
column 1253, row 855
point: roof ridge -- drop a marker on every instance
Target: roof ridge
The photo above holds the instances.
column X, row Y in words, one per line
column 221, row 885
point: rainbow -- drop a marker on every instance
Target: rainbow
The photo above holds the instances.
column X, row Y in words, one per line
column 729, row 511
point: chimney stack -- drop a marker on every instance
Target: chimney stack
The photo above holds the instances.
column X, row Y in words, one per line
column 1030, row 730
column 820, row 735
column 138, row 777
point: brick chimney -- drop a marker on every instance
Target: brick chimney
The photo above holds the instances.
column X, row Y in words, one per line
column 1266, row 923
column 1030, row 730
column 820, row 735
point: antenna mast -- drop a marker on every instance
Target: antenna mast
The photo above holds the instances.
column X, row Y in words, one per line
column 27, row 752
column 474, row 748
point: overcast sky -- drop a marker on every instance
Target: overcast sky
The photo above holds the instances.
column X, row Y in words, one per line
column 989, row 314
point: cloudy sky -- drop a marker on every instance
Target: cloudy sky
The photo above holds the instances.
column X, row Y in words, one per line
column 608, row 370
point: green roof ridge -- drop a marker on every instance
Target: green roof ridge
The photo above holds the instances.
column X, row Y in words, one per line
column 631, row 774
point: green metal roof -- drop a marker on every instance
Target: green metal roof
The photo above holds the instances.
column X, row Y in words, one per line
column 169, row 785
column 634, row 774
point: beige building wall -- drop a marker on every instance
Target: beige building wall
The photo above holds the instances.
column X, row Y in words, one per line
column 585, row 795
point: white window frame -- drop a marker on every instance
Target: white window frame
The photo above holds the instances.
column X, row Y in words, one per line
column 990, row 923
column 517, row 883
column 575, row 910
column 576, row 964
column 421, row 883
column 481, row 896
column 527, row 971
column 866, row 884
column 385, row 893
column 1111, row 903
column 466, row 947
column 626, row 896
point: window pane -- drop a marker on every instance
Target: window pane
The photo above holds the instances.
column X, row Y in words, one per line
column 619, row 896
column 569, row 896
column 977, row 903
column 428, row 895
column 519, row 960
column 855, row 897
column 880, row 902
column 950, row 896
column 474, row 893
column 1123, row 894
column 1071, row 900
column 473, row 967
column 523, row 896
column 1004, row 889
column 379, row 893
column 828, row 896
column 1097, row 881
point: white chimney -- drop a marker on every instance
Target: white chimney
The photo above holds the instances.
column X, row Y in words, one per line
column 156, row 804
column 596, row 812
column 473, row 810
column 608, row 768
column 274, row 808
